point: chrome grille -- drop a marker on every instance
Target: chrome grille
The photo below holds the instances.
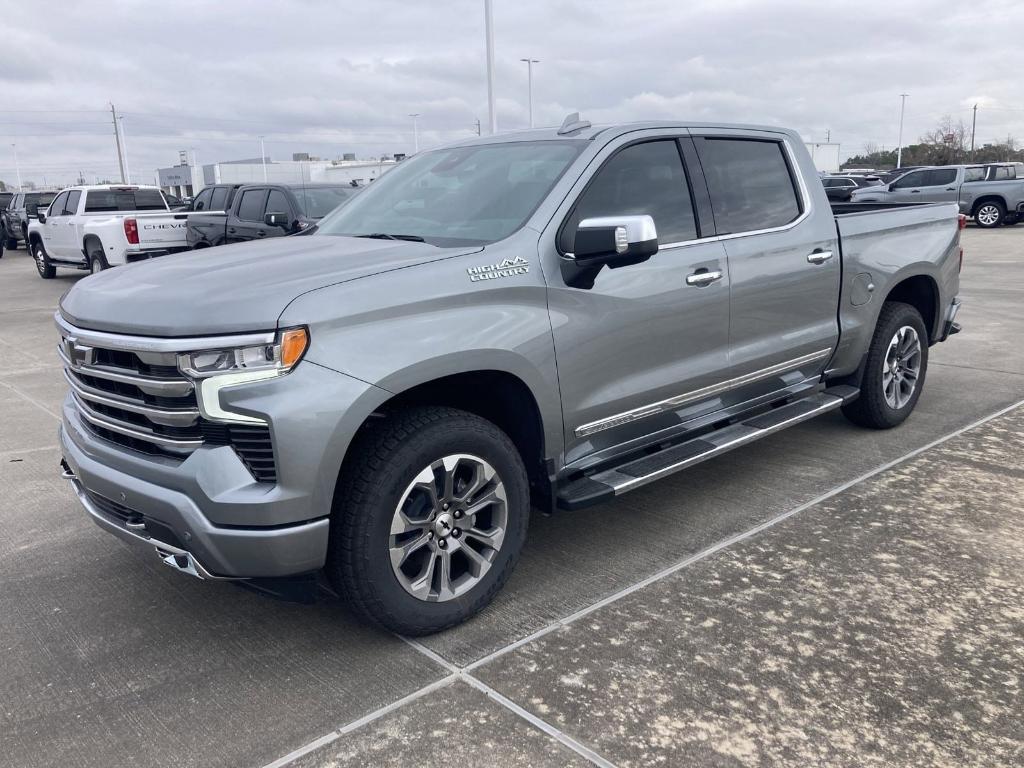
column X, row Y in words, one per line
column 139, row 400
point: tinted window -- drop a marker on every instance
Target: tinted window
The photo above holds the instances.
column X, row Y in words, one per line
column 974, row 174
column 940, row 176
column 458, row 196
column 750, row 184
column 57, row 207
column 914, row 179
column 202, row 201
column 71, row 204
column 5, row 200
column 277, row 202
column 317, row 202
column 250, row 207
column 149, row 200
column 641, row 179
column 113, row 200
column 219, row 199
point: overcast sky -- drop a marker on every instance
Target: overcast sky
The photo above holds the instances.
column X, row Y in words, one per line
column 334, row 76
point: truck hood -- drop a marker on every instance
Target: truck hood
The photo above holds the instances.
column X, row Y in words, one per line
column 231, row 289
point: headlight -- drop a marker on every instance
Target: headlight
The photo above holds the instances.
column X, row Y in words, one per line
column 216, row 369
column 276, row 358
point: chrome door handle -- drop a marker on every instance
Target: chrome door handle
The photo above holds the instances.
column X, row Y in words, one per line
column 819, row 257
column 700, row 279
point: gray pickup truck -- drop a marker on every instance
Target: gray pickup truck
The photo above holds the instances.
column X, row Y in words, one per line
column 545, row 320
column 992, row 194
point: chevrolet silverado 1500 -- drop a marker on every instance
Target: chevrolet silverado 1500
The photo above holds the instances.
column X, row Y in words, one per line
column 544, row 319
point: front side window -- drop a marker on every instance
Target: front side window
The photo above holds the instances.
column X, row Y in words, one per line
column 641, row 179
column 57, row 206
column 71, row 204
column 471, row 195
column 250, row 207
column 750, row 184
column 277, row 202
column 912, row 179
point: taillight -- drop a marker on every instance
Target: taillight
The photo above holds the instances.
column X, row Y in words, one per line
column 963, row 221
column 131, row 231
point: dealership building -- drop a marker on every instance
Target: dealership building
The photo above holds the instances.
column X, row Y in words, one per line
column 187, row 178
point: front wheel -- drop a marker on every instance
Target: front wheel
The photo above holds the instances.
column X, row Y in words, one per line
column 10, row 243
column 46, row 270
column 894, row 371
column 990, row 214
column 429, row 519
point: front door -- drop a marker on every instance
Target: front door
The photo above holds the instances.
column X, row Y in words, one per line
column 907, row 188
column 635, row 345
column 784, row 261
column 54, row 229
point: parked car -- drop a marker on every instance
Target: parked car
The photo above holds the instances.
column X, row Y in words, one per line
column 556, row 317
column 20, row 212
column 95, row 227
column 989, row 201
column 838, row 188
column 266, row 210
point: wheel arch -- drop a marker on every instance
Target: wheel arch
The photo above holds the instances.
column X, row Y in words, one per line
column 988, row 198
column 921, row 292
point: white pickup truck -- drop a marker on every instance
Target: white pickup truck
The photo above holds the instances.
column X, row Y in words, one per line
column 95, row 227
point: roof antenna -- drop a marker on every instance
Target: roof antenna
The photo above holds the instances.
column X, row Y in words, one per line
column 572, row 123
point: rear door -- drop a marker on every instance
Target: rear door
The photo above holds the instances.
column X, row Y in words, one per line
column 940, row 185
column 248, row 219
column 783, row 260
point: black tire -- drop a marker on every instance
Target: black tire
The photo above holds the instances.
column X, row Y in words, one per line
column 10, row 243
column 385, row 459
column 95, row 257
column 989, row 214
column 872, row 409
column 46, row 270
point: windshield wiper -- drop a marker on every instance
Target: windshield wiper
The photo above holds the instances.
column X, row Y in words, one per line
column 386, row 236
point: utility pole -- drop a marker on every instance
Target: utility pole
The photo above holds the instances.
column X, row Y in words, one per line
column 17, row 166
column 489, row 31
column 478, row 126
column 124, row 148
column 415, row 132
column 529, row 84
column 117, row 139
column 263, row 158
column 974, row 125
column 899, row 149
column 828, row 135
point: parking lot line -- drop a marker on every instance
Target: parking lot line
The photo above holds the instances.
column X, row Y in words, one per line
column 30, row 399
column 465, row 673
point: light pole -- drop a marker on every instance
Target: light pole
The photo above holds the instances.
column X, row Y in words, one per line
column 529, row 84
column 263, row 158
column 17, row 166
column 899, row 148
column 489, row 31
column 124, row 148
column 415, row 132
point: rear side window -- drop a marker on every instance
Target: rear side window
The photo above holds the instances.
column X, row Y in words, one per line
column 641, row 179
column 71, row 204
column 250, row 207
column 750, row 184
column 940, row 176
column 219, row 199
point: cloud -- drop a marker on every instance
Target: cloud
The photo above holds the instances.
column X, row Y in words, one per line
column 328, row 77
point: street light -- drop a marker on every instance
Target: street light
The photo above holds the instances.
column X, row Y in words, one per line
column 17, row 166
column 529, row 84
column 899, row 149
column 263, row 159
column 415, row 132
column 492, row 113
column 124, row 148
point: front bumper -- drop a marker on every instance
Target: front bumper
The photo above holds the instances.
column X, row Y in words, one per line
column 146, row 514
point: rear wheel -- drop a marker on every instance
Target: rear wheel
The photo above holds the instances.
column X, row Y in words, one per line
column 894, row 371
column 46, row 270
column 990, row 214
column 429, row 519
column 97, row 259
column 10, row 242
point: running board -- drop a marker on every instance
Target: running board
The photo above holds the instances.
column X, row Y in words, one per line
column 608, row 483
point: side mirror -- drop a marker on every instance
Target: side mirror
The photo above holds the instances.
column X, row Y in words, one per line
column 277, row 219
column 617, row 241
column 41, row 216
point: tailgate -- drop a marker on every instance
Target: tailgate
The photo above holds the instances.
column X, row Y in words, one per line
column 161, row 230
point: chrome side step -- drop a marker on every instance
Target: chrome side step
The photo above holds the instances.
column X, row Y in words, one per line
column 608, row 483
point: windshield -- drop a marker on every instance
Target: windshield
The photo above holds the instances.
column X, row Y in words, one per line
column 317, row 202
column 459, row 196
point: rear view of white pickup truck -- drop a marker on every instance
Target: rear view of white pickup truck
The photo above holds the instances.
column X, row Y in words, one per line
column 95, row 227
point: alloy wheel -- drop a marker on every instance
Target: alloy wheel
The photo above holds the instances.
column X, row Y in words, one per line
column 988, row 215
column 448, row 528
column 902, row 367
